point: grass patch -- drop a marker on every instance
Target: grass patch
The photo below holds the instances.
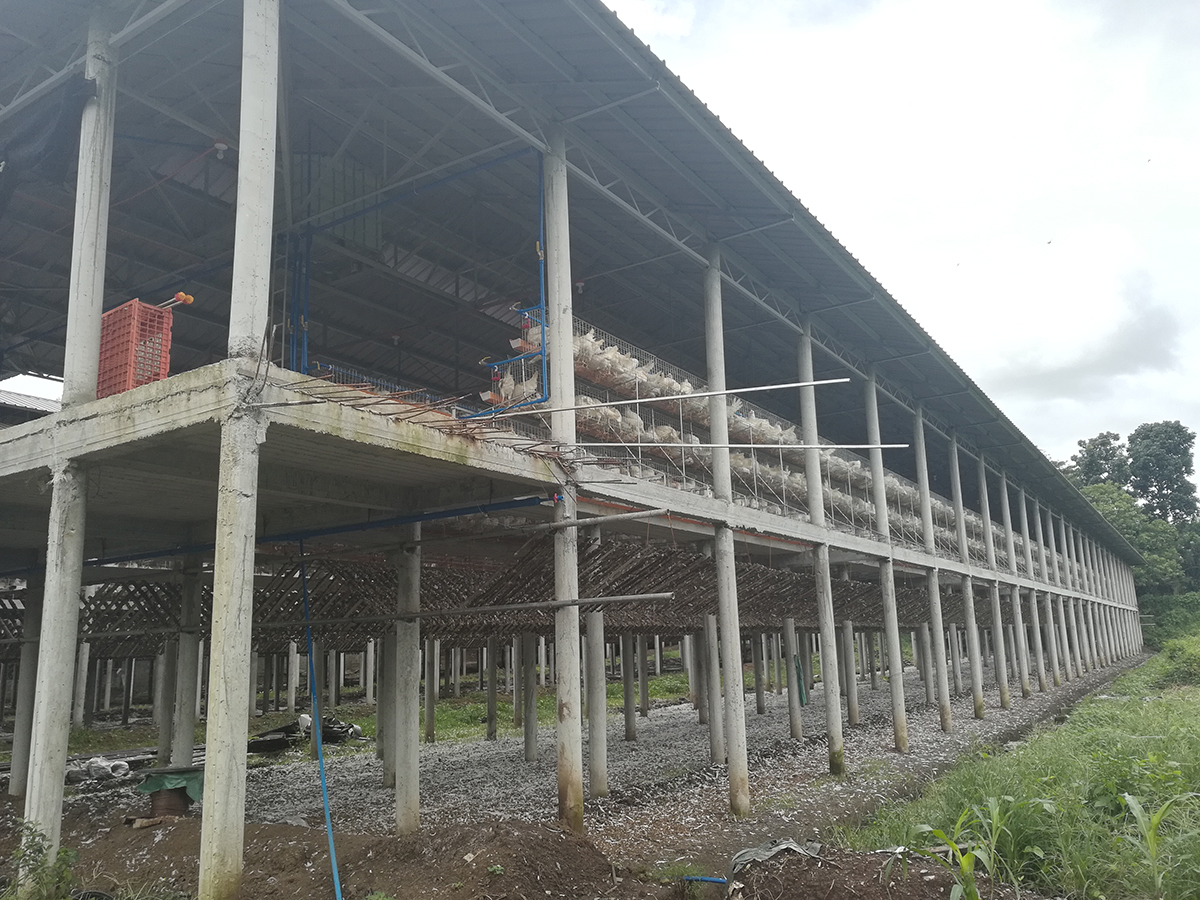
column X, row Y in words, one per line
column 1074, row 804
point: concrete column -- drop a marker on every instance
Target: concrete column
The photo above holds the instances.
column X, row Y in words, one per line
column 368, row 672
column 1073, row 637
column 956, row 658
column 404, row 683
column 31, row 626
column 1052, row 638
column 723, row 551
column 756, row 656
column 1034, row 617
column 387, row 725
column 543, row 663
column 293, row 675
column 873, row 659
column 887, row 583
column 82, row 661
column 252, row 706
column 597, row 706
column 999, row 651
column 975, row 660
column 852, row 716
column 821, row 573
column 559, row 295
column 712, row 669
column 793, row 693
column 629, row 684
column 51, row 723
column 928, row 664
column 1064, row 640
column 166, row 694
column 516, row 679
column 699, row 662
column 806, row 649
column 432, row 676
column 221, row 833
column 530, row 694
column 492, row 689
column 643, row 671
column 89, row 243
column 183, row 735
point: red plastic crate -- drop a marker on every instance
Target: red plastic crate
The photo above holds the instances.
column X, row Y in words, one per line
column 135, row 347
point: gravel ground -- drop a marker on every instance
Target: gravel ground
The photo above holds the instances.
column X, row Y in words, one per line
column 666, row 800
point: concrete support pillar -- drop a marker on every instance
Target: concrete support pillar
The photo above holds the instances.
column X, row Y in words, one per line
column 516, row 678
column 793, row 694
column 927, row 664
column 51, row 724
column 221, row 833
column 492, row 688
column 386, row 723
column 938, row 650
column 166, row 694
column 847, row 649
column 887, row 583
column 712, row 670
column 699, row 663
column 559, row 294
column 31, row 626
column 821, row 573
column 597, row 707
column 723, row 551
column 756, row 655
column 367, row 676
column 1052, row 638
column 82, row 662
column 233, row 581
column 89, row 244
column 643, row 671
column 404, row 684
column 1064, row 639
column 956, row 658
column 974, row 658
column 530, row 694
column 183, row 736
column 629, row 684
column 1073, row 637
column 1000, row 655
column 869, row 641
column 806, row 650
column 293, row 675
column 432, row 676
column 252, row 706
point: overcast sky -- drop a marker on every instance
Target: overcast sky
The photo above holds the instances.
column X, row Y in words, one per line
column 1021, row 176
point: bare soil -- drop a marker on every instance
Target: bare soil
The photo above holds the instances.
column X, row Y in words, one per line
column 642, row 832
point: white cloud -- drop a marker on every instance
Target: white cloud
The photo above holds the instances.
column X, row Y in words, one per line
column 1007, row 172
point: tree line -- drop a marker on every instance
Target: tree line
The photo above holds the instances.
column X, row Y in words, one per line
column 1142, row 485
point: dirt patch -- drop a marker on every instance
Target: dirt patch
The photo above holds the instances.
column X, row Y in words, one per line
column 512, row 860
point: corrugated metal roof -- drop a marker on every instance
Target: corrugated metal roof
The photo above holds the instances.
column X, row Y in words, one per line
column 639, row 141
column 25, row 401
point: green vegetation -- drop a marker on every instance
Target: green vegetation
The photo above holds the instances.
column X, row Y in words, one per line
column 1099, row 808
column 37, row 876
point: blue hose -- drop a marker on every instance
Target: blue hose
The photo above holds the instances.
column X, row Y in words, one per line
column 704, row 878
column 314, row 690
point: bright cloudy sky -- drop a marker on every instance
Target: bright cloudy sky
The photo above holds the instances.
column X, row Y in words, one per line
column 1021, row 176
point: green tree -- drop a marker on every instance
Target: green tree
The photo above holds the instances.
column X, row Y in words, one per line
column 1160, row 461
column 1102, row 458
column 1155, row 539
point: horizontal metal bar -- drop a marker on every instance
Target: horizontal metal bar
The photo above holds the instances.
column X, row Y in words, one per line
column 634, row 444
column 698, row 395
